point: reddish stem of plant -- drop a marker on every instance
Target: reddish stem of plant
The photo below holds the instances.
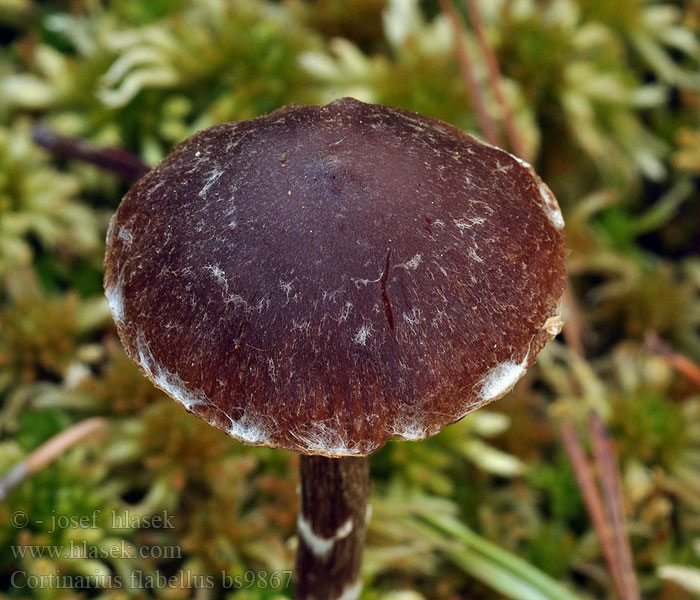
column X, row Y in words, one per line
column 123, row 164
column 486, row 124
column 594, row 504
column 573, row 331
column 686, row 367
column 495, row 78
column 609, row 473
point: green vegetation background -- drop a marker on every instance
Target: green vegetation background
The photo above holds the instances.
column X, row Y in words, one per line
column 606, row 96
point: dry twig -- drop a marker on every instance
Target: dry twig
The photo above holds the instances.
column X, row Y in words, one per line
column 48, row 452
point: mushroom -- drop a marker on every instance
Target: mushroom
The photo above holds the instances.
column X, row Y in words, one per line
column 325, row 278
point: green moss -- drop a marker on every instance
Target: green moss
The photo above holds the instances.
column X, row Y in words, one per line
column 605, row 95
column 653, row 427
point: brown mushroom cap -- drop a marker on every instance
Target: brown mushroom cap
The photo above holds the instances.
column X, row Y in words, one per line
column 326, row 277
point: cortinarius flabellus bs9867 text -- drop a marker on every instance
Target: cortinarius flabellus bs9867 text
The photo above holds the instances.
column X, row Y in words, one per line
column 324, row 278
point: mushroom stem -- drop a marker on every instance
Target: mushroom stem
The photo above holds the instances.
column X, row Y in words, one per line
column 332, row 525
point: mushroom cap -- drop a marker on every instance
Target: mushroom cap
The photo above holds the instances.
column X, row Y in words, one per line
column 324, row 278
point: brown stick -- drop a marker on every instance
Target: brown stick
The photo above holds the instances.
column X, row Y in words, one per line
column 486, row 124
column 48, row 452
column 495, row 78
column 123, row 164
column 609, row 474
column 332, row 524
column 594, row 503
